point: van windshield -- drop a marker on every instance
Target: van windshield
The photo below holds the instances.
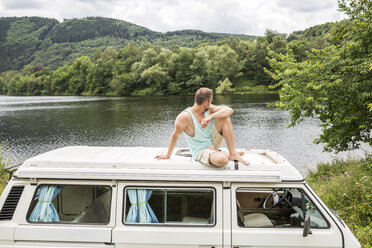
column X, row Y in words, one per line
column 276, row 207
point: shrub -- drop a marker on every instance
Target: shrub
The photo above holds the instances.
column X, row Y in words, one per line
column 346, row 186
column 3, row 174
column 224, row 87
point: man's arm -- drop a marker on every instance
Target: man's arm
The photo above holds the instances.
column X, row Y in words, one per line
column 179, row 127
column 215, row 113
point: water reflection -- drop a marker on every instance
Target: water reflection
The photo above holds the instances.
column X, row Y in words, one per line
column 32, row 125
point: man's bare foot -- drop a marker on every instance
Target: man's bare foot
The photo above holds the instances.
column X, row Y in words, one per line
column 240, row 153
column 238, row 157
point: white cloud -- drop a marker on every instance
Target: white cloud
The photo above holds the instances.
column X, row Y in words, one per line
column 226, row 16
column 307, row 6
column 21, row 4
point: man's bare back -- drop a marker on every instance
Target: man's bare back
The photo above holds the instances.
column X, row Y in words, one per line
column 204, row 112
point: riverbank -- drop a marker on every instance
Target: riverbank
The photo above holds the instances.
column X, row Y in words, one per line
column 346, row 186
column 3, row 174
column 248, row 89
column 241, row 88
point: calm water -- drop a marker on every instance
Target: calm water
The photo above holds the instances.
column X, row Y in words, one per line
column 33, row 125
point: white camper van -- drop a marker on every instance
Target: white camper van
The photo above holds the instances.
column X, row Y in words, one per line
column 121, row 197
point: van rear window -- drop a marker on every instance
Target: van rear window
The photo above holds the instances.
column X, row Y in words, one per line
column 84, row 204
column 171, row 206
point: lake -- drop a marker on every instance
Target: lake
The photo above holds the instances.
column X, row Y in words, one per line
column 33, row 125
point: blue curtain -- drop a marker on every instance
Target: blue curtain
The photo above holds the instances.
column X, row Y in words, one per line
column 133, row 215
column 44, row 210
column 146, row 214
column 140, row 210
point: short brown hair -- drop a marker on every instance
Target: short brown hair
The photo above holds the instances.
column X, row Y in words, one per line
column 202, row 95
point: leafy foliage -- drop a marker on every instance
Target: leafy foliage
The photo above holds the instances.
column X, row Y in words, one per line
column 94, row 56
column 3, row 174
column 145, row 69
column 224, row 87
column 47, row 42
column 333, row 84
column 346, row 186
column 20, row 38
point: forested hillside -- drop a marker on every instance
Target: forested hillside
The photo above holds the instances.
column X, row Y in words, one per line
column 46, row 42
column 101, row 56
column 20, row 38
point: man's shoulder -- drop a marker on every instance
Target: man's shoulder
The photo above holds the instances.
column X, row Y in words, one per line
column 183, row 116
column 182, row 120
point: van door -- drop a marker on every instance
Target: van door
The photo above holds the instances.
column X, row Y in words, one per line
column 67, row 214
column 162, row 215
column 273, row 216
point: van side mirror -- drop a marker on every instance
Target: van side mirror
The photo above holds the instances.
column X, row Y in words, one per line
column 307, row 230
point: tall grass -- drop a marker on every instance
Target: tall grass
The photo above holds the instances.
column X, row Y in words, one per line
column 3, row 174
column 346, row 186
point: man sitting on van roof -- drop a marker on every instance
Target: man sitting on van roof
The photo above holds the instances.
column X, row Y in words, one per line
column 205, row 126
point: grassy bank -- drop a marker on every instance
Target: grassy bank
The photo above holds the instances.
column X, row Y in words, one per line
column 247, row 87
column 346, row 186
column 252, row 87
column 3, row 174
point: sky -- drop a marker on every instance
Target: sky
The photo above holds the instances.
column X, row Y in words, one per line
column 250, row 17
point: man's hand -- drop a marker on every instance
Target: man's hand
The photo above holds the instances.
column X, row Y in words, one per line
column 162, row 156
column 179, row 127
column 205, row 121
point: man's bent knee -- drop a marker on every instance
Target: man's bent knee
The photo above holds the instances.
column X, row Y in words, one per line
column 223, row 120
column 218, row 159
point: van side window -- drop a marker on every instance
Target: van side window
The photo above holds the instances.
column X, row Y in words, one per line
column 274, row 207
column 85, row 204
column 174, row 206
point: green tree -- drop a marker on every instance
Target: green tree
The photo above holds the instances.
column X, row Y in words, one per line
column 32, row 85
column 299, row 48
column 222, row 63
column 149, row 58
column 155, row 77
column 59, row 80
column 334, row 84
column 276, row 41
column 256, row 62
column 7, row 82
column 79, row 71
column 127, row 57
column 101, row 72
column 44, row 82
column 224, row 87
column 199, row 70
column 122, row 84
column 180, row 66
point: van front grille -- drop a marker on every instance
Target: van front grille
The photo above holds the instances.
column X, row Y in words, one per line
column 11, row 202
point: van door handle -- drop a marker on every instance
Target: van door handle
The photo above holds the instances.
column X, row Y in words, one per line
column 109, row 243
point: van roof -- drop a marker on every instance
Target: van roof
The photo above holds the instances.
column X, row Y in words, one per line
column 139, row 163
